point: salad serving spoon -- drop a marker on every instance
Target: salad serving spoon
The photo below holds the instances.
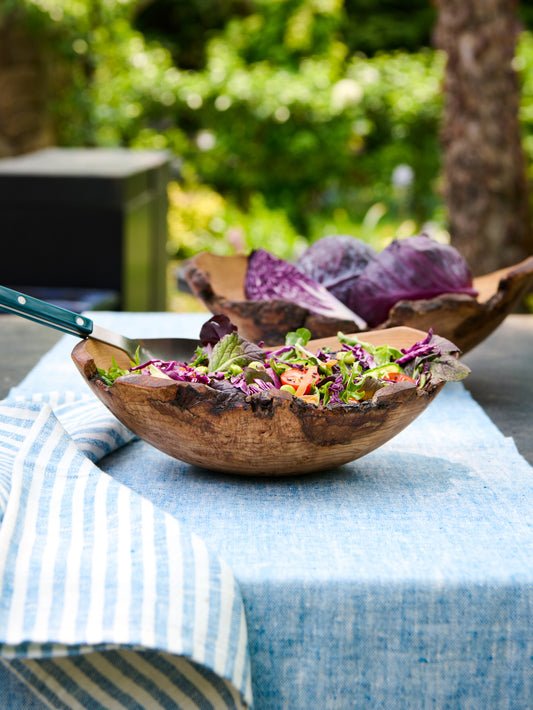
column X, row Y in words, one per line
column 79, row 325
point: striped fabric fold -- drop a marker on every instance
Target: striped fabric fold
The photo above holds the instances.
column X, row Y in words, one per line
column 105, row 600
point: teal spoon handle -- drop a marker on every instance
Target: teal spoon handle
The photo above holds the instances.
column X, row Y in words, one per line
column 45, row 313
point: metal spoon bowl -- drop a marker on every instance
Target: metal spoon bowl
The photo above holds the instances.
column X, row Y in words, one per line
column 83, row 327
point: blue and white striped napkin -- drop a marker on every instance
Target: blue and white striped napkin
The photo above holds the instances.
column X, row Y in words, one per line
column 105, row 600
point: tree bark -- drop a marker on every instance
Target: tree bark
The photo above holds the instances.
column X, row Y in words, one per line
column 486, row 189
column 25, row 123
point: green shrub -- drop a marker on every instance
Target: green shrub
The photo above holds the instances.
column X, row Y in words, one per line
column 326, row 135
column 201, row 219
column 288, row 119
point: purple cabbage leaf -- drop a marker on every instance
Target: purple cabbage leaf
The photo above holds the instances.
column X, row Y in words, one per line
column 270, row 278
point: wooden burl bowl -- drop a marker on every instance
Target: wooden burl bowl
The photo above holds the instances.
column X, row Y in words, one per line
column 218, row 281
column 270, row 433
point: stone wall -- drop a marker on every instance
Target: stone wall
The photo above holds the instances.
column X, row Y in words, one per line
column 25, row 122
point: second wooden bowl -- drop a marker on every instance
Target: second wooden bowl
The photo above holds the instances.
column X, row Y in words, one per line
column 218, row 281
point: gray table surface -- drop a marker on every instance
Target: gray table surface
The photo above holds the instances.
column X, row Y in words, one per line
column 501, row 380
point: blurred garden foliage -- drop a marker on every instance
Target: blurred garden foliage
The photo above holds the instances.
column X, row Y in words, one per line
column 288, row 119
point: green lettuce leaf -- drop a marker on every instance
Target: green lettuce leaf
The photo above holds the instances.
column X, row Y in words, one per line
column 234, row 350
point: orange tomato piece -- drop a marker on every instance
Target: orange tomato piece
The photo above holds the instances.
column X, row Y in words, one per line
column 329, row 363
column 312, row 398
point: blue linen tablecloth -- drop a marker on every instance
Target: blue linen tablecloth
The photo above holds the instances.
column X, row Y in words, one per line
column 401, row 580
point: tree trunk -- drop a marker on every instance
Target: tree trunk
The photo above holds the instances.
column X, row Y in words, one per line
column 25, row 122
column 485, row 184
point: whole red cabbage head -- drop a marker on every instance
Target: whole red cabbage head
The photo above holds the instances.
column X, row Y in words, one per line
column 336, row 261
column 412, row 268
